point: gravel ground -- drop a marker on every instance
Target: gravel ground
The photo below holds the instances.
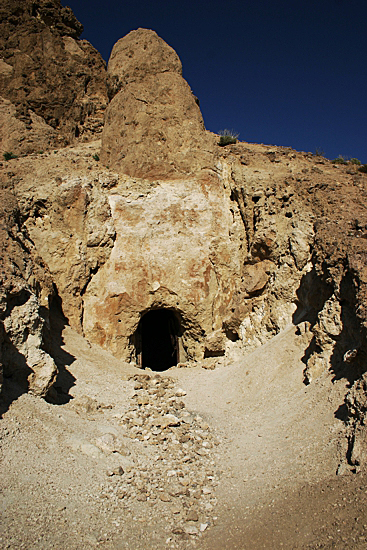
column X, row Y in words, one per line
column 241, row 456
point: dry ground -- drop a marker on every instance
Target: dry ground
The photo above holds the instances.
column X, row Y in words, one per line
column 266, row 471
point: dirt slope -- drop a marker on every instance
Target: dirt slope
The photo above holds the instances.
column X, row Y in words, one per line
column 261, row 457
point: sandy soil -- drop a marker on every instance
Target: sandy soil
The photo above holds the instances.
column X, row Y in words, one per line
column 257, row 455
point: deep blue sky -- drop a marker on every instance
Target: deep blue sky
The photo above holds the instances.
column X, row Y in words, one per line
column 279, row 72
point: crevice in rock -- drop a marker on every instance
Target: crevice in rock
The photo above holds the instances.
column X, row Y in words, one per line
column 240, row 197
column 58, row 394
column 312, row 294
column 349, row 353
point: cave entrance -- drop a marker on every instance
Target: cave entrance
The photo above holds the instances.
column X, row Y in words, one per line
column 157, row 340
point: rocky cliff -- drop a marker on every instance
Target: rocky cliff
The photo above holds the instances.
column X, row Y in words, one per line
column 233, row 244
column 52, row 85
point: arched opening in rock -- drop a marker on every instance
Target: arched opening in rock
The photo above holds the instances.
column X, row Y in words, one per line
column 157, row 340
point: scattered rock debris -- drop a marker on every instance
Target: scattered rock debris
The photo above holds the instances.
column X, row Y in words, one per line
column 180, row 484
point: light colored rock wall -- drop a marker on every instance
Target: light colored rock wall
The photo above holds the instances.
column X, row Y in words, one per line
column 174, row 249
column 25, row 293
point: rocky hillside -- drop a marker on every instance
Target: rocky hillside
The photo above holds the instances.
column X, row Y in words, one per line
column 52, row 85
column 232, row 243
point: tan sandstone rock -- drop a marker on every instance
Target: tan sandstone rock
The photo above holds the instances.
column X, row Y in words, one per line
column 153, row 125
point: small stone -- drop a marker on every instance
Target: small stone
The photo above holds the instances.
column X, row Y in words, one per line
column 201, row 452
column 191, row 530
column 119, row 471
column 176, row 490
column 185, row 482
column 165, row 497
column 143, row 400
column 192, row 516
column 169, row 420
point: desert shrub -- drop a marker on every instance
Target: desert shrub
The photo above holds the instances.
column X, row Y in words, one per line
column 227, row 137
column 96, row 156
column 340, row 160
column 363, row 168
column 9, row 156
column 355, row 161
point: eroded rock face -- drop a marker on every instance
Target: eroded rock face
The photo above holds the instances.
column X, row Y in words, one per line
column 55, row 83
column 153, row 126
column 26, row 290
column 66, row 212
column 174, row 250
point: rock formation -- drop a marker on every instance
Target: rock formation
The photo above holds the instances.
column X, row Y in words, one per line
column 52, row 85
column 26, row 292
column 222, row 247
column 153, row 126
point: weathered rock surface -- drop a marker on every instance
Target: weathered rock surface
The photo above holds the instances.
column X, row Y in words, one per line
column 52, row 85
column 26, row 291
column 67, row 214
column 153, row 126
column 173, row 250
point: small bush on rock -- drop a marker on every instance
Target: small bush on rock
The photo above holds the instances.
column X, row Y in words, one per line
column 340, row 160
column 227, row 137
column 9, row 156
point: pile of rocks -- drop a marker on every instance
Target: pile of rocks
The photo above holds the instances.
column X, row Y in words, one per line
column 176, row 479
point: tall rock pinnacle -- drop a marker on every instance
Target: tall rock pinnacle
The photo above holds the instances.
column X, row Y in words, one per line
column 153, row 125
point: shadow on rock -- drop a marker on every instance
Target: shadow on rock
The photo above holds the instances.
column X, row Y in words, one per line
column 16, row 373
column 59, row 393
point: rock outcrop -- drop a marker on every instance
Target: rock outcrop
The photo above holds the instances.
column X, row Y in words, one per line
column 52, row 85
column 26, row 292
column 153, row 126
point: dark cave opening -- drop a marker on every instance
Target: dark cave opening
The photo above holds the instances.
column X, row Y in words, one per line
column 157, row 346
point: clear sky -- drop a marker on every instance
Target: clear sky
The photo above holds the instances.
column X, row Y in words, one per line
column 280, row 72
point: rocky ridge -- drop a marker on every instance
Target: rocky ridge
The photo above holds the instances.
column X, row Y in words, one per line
column 153, row 126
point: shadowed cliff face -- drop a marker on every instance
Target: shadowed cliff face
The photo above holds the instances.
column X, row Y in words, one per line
column 52, row 85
